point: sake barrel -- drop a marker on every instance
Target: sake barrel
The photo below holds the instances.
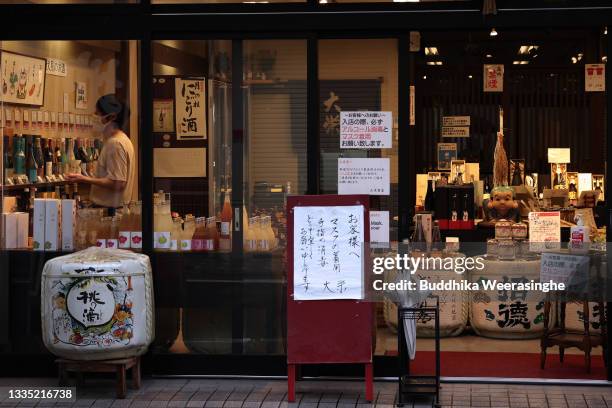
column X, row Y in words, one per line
column 454, row 305
column 574, row 317
column 97, row 304
column 507, row 314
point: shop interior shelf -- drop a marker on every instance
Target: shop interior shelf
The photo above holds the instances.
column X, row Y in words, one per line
column 38, row 186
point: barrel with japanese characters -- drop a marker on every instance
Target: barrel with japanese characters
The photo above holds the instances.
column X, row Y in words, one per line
column 454, row 304
column 507, row 314
column 97, row 304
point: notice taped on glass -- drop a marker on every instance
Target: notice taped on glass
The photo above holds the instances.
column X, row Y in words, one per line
column 544, row 230
column 363, row 176
column 366, row 130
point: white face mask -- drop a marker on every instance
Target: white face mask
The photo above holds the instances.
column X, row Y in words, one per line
column 99, row 125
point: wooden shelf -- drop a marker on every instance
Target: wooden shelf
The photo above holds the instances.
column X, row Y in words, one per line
column 17, row 187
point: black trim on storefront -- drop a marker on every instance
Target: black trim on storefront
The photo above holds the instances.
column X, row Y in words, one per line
column 310, row 20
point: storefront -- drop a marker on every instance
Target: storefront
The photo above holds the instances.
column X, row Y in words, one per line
column 232, row 107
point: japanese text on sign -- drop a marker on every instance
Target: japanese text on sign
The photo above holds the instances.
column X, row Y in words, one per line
column 365, row 130
column 91, row 303
column 544, row 230
column 190, row 109
column 493, row 77
column 561, row 268
column 56, row 67
column 327, row 252
column 363, row 176
column 595, row 77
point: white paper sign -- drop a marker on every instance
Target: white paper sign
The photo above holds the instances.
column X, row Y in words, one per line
column 455, row 131
column 455, row 121
column 595, row 77
column 585, row 182
column 56, row 67
column 544, row 230
column 366, row 130
column 91, row 303
column 190, row 112
column 560, row 268
column 379, row 227
column 327, row 252
column 493, row 78
column 363, row 176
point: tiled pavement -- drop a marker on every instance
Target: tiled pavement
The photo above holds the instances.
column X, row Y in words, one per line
column 247, row 393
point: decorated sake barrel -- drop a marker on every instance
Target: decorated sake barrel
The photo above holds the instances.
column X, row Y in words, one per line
column 574, row 317
column 454, row 306
column 507, row 313
column 97, row 304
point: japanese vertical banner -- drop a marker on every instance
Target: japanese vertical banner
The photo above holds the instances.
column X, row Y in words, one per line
column 328, row 252
column 493, row 76
column 190, row 97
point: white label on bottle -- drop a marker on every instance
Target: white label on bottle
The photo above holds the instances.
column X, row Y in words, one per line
column 252, row 245
column 162, row 240
column 173, row 245
column 263, row 245
column 465, row 216
column 209, row 244
column 124, row 239
column 185, row 245
column 454, row 215
column 49, row 168
column 101, row 243
column 112, row 243
column 136, row 239
column 225, row 228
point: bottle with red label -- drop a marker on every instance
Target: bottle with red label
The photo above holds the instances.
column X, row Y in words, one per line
column 197, row 241
column 125, row 226
column 225, row 237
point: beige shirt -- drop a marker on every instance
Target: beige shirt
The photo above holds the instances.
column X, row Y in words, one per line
column 116, row 162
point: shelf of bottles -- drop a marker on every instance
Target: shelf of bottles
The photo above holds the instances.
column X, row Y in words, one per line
column 263, row 233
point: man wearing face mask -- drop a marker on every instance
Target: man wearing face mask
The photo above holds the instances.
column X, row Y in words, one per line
column 116, row 171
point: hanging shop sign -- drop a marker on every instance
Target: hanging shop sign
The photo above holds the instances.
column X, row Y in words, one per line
column 455, row 121
column 56, row 67
column 190, row 97
column 412, row 105
column 493, row 78
column 328, row 252
column 455, row 131
column 366, row 130
column 595, row 77
column 379, row 227
column 363, row 176
column 544, row 230
column 23, row 79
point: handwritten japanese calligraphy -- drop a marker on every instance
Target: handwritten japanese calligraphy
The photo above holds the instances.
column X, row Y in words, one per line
column 190, row 111
column 328, row 255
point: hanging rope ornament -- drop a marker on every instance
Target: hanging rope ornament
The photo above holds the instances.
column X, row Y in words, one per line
column 489, row 7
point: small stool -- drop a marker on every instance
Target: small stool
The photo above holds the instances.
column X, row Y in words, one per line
column 119, row 366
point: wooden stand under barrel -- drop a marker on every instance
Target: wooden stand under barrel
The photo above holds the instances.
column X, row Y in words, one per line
column 119, row 366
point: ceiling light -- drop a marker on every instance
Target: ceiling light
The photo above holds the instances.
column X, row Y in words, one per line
column 493, row 32
column 424, row 76
column 526, row 49
column 574, row 60
column 470, row 76
column 489, row 56
column 580, row 55
column 520, row 62
column 431, row 50
column 434, row 62
column 606, row 30
column 406, row 1
column 604, row 58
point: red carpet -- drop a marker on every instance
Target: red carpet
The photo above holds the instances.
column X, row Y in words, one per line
column 509, row 365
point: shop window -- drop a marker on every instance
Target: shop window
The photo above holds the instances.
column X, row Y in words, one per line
column 54, row 94
column 360, row 75
column 275, row 144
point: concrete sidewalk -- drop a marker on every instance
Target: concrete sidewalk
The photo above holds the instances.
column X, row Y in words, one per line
column 213, row 393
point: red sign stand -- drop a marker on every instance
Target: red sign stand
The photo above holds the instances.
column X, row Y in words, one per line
column 327, row 331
